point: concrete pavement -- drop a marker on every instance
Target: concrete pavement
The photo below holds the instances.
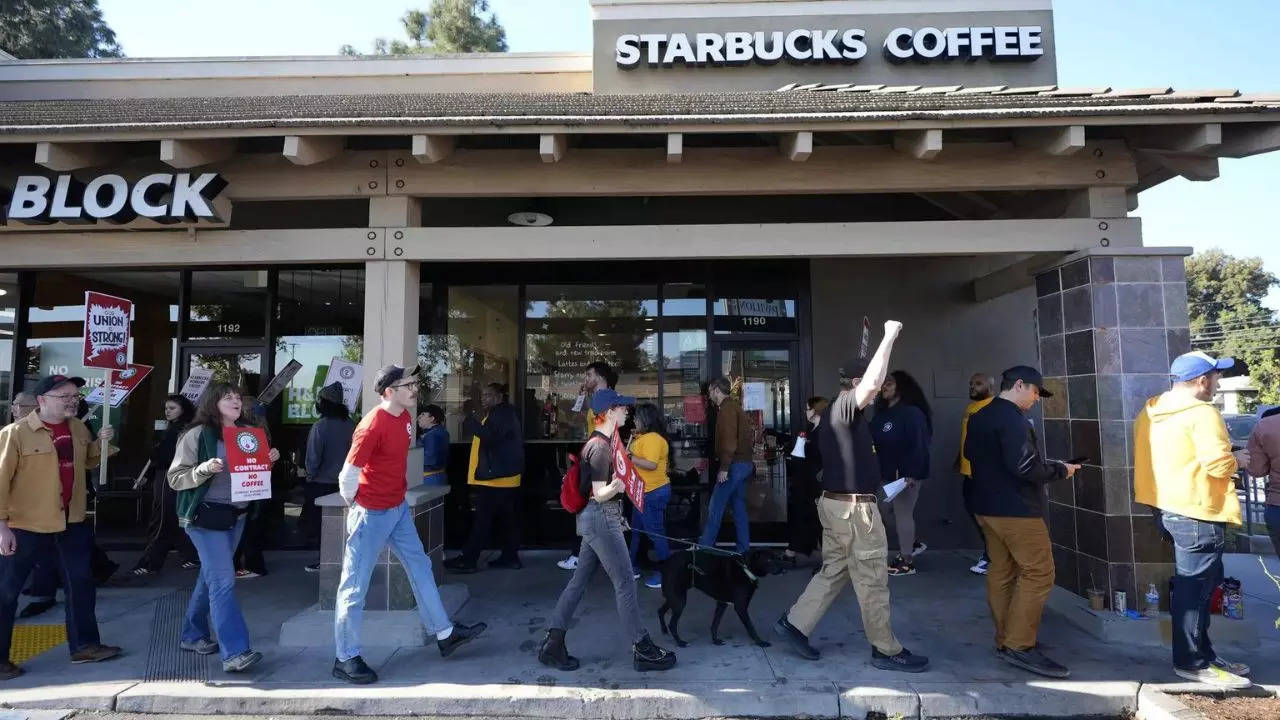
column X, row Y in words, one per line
column 940, row 612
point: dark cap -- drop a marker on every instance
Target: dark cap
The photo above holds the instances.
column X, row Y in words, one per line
column 1026, row 374
column 390, row 375
column 49, row 382
column 854, row 367
column 331, row 392
column 603, row 400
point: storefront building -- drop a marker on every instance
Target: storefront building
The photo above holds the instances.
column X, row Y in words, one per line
column 719, row 188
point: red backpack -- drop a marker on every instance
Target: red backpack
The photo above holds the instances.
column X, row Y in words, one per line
column 571, row 497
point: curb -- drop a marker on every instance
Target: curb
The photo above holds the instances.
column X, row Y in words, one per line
column 1160, row 702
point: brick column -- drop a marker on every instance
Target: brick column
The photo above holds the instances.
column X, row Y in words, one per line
column 1109, row 323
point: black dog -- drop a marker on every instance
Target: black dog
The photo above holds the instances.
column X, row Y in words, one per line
column 722, row 577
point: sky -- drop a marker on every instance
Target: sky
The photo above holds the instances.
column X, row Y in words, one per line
column 1184, row 44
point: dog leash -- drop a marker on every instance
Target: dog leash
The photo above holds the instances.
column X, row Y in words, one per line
column 695, row 547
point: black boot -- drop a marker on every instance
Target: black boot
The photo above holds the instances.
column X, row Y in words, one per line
column 553, row 652
column 647, row 656
column 461, row 635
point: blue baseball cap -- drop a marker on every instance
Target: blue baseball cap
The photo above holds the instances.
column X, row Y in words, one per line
column 1192, row 365
column 602, row 400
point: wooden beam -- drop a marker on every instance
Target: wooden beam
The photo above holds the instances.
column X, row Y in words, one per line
column 1012, row 278
column 1244, row 139
column 675, row 148
column 1053, row 140
column 919, row 144
column 551, row 147
column 1200, row 138
column 433, row 148
column 63, row 157
column 312, row 149
column 189, row 247
column 1098, row 202
column 1197, row 168
column 965, row 167
column 797, row 146
column 194, row 153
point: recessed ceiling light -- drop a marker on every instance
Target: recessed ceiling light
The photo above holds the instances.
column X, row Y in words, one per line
column 529, row 219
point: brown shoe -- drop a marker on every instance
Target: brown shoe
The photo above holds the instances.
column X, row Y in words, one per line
column 94, row 653
column 9, row 671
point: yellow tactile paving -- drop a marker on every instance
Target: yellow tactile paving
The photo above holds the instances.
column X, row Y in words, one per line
column 31, row 640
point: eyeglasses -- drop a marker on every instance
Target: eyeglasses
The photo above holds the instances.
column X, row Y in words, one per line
column 403, row 385
column 62, row 397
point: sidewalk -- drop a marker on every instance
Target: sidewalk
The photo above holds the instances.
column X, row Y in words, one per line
column 940, row 612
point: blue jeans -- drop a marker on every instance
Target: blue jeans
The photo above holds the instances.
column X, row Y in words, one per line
column 733, row 490
column 215, row 591
column 70, row 550
column 600, row 525
column 1273, row 526
column 1197, row 557
column 654, row 520
column 368, row 531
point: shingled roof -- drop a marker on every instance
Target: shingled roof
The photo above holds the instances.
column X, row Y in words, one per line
column 792, row 103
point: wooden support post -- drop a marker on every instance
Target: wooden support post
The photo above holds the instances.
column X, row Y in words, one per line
column 194, row 153
column 1054, row 140
column 312, row 149
column 796, row 146
column 919, row 144
column 62, row 157
column 1199, row 138
column 675, row 148
column 433, row 148
column 552, row 147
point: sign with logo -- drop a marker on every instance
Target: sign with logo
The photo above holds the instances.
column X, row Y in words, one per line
column 162, row 197
column 106, row 331
column 351, row 375
column 197, row 381
column 626, row 472
column 122, row 384
column 248, row 463
column 279, row 382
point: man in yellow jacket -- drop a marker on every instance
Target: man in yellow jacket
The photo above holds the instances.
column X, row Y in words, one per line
column 1183, row 467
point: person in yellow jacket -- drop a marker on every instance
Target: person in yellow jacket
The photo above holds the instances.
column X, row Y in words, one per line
column 980, row 396
column 1184, row 468
column 493, row 476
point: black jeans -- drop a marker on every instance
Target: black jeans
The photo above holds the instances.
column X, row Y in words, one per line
column 309, row 519
column 71, row 549
column 495, row 507
column 163, row 531
column 1197, row 557
column 803, row 525
column 46, row 576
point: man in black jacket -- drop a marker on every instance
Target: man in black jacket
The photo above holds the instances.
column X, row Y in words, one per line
column 493, row 473
column 1009, row 477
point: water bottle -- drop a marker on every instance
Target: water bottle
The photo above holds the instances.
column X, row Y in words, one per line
column 1152, row 608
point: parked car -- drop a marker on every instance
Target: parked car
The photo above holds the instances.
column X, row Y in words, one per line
column 1238, row 429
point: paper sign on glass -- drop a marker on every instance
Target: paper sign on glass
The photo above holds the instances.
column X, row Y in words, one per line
column 248, row 463
column 754, row 396
column 106, row 331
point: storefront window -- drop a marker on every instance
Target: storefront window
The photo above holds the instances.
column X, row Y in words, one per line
column 754, row 315
column 227, row 305
column 479, row 346
column 567, row 327
column 761, row 380
column 684, row 360
column 8, row 327
column 319, row 316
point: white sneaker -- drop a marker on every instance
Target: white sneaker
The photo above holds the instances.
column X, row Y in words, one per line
column 1214, row 677
column 569, row 563
column 918, row 548
column 1234, row 668
column 980, row 567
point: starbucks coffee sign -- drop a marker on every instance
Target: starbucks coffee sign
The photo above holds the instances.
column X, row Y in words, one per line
column 688, row 46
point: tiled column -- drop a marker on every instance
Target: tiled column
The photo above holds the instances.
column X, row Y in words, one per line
column 1108, row 325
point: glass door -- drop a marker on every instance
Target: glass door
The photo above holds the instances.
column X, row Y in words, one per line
column 241, row 366
column 764, row 376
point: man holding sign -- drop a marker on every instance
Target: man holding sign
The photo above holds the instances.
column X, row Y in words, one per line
column 600, row 525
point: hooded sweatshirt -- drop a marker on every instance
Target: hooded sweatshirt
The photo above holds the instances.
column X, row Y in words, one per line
column 1182, row 459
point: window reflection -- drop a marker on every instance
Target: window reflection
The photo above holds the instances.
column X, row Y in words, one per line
column 227, row 304
column 319, row 316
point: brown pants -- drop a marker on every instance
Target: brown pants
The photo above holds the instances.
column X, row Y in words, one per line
column 854, row 548
column 1019, row 578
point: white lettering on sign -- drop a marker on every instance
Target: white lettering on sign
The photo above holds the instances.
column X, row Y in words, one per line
column 809, row 46
column 164, row 197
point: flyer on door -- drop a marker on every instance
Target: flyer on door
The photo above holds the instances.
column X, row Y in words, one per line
column 248, row 463
column 106, row 331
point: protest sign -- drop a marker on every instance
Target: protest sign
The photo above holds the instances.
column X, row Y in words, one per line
column 106, row 331
column 248, row 463
column 626, row 472
column 124, row 383
column 279, row 382
column 350, row 375
column 197, row 381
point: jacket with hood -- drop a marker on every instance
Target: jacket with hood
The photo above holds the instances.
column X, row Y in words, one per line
column 1182, row 461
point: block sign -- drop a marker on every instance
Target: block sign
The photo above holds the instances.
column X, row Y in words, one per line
column 124, row 383
column 624, row 470
column 106, row 331
column 248, row 463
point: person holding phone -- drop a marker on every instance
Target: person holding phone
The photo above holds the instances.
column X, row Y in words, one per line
column 1009, row 479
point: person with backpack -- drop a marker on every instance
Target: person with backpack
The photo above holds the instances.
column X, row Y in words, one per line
column 649, row 453
column 594, row 493
column 599, row 375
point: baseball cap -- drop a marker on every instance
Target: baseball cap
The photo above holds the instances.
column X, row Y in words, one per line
column 49, row 382
column 602, row 400
column 1028, row 375
column 390, row 375
column 1192, row 365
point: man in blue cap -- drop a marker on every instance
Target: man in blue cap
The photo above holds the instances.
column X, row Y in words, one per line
column 1183, row 466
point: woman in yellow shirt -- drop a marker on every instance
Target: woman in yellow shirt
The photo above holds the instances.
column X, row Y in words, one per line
column 649, row 453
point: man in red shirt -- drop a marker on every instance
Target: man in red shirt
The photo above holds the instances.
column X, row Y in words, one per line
column 42, row 514
column 373, row 484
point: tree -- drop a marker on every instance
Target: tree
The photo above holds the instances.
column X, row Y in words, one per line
column 448, row 26
column 1224, row 296
column 34, row 29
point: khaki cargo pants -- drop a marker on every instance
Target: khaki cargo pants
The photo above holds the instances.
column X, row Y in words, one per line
column 854, row 548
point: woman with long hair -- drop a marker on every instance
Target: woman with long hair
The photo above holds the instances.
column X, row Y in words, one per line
column 164, row 534
column 650, row 453
column 903, row 430
column 214, row 523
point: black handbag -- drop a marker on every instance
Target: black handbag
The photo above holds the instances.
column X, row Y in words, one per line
column 215, row 516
